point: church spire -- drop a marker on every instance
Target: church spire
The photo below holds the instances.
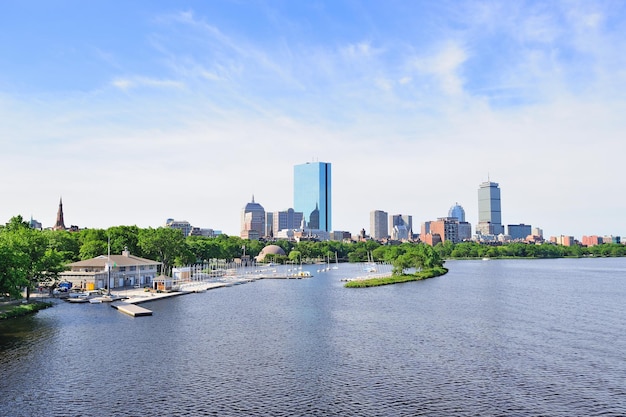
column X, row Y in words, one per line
column 60, row 224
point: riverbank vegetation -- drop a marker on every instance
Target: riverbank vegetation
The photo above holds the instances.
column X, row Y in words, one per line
column 19, row 310
column 422, row 258
column 397, row 279
column 29, row 257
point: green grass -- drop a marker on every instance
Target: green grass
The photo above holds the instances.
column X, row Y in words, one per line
column 23, row 309
column 396, row 279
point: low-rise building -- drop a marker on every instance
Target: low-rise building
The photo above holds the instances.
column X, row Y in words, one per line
column 125, row 270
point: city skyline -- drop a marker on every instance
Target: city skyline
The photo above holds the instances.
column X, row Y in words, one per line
column 185, row 109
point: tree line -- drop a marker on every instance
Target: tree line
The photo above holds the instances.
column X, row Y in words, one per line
column 29, row 256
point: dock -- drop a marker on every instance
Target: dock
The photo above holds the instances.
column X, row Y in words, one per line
column 131, row 309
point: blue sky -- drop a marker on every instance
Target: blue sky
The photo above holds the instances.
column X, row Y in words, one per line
column 139, row 111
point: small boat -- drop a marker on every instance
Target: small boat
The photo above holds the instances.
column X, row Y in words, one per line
column 77, row 300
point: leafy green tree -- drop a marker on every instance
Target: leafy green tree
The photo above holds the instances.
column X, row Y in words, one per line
column 65, row 243
column 93, row 242
column 34, row 259
column 124, row 237
column 13, row 265
column 165, row 245
column 295, row 256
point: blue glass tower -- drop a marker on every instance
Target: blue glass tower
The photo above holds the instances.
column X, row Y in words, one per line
column 312, row 194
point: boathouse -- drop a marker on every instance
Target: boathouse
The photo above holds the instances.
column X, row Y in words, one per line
column 125, row 270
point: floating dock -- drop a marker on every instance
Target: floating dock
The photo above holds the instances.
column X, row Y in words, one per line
column 131, row 309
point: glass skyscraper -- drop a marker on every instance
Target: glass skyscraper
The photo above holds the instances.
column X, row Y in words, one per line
column 312, row 194
column 489, row 214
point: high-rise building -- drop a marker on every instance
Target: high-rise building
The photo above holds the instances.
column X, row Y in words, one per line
column 252, row 221
column 312, row 194
column 447, row 228
column 401, row 227
column 519, row 231
column 286, row 220
column 457, row 211
column 489, row 214
column 378, row 224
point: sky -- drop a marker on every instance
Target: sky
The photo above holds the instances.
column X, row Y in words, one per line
column 138, row 111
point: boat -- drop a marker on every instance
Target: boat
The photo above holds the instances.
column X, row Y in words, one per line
column 77, row 300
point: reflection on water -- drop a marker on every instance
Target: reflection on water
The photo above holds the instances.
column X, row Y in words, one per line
column 528, row 338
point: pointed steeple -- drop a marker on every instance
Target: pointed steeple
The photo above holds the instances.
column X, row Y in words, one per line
column 60, row 224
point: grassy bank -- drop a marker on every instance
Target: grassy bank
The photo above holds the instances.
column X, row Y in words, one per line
column 19, row 310
column 396, row 279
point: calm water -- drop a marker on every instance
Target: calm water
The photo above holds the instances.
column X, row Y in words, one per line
column 496, row 338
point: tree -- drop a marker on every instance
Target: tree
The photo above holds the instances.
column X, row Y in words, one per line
column 124, row 238
column 93, row 242
column 165, row 245
column 32, row 259
column 12, row 269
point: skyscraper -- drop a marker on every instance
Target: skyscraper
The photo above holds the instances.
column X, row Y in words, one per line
column 252, row 221
column 378, row 224
column 465, row 229
column 489, row 214
column 458, row 212
column 401, row 227
column 312, row 194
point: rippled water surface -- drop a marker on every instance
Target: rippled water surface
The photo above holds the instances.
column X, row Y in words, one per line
column 496, row 338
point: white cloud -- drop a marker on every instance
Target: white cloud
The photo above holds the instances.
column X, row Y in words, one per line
column 129, row 83
column 445, row 65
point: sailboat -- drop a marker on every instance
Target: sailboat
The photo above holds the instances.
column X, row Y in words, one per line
column 336, row 266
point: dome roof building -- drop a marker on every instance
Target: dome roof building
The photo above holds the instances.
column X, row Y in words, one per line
column 458, row 212
column 270, row 250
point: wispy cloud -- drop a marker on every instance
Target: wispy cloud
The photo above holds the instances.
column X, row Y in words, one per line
column 445, row 65
column 129, row 83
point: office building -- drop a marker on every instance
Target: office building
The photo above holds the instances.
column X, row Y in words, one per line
column 401, row 227
column 447, row 228
column 252, row 221
column 312, row 194
column 183, row 225
column 286, row 220
column 457, row 211
column 378, row 224
column 465, row 229
column 519, row 231
column 489, row 209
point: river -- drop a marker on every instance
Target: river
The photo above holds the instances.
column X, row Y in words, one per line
column 490, row 338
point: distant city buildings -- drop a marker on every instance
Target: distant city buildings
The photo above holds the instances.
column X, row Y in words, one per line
column 458, row 212
column 447, row 228
column 401, row 227
column 34, row 224
column 378, row 225
column 183, row 225
column 287, row 220
column 519, row 231
column 312, row 194
column 465, row 228
column 252, row 221
column 489, row 209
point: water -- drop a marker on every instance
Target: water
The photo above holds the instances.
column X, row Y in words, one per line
column 496, row 338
